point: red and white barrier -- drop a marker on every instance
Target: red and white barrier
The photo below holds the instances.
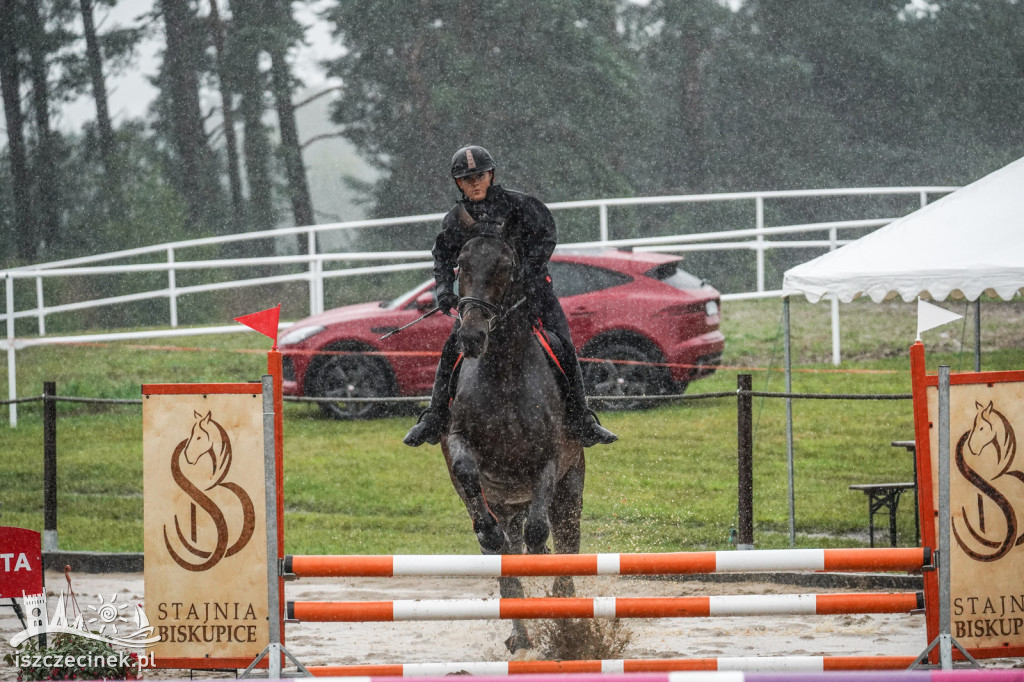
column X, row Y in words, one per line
column 744, row 663
column 673, row 563
column 605, row 607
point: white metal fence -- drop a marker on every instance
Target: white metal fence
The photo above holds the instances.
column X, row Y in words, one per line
column 757, row 238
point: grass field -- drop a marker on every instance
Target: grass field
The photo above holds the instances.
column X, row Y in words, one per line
column 668, row 484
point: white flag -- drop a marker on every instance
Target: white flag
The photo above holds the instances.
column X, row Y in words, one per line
column 930, row 316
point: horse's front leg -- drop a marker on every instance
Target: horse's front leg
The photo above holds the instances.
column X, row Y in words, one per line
column 467, row 473
column 511, row 587
column 538, row 526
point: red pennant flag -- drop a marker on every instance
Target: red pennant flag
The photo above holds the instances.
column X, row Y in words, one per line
column 265, row 322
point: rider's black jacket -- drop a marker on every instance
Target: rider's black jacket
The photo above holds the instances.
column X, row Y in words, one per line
column 529, row 228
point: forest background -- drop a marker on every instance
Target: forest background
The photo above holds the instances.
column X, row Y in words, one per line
column 576, row 99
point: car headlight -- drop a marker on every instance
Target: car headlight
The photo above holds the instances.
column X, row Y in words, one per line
column 299, row 335
column 711, row 308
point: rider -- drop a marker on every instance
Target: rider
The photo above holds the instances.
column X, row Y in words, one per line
column 531, row 229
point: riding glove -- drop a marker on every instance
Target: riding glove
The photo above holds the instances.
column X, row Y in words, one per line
column 446, row 298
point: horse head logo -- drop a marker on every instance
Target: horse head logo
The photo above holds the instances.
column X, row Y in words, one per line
column 203, row 482
column 992, row 438
column 991, row 445
column 209, row 439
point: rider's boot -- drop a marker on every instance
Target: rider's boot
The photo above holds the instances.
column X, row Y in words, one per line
column 583, row 422
column 433, row 420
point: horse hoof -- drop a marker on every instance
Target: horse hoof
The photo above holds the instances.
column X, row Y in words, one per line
column 491, row 542
column 518, row 641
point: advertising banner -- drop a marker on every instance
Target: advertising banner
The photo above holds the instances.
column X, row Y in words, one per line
column 205, row 523
column 21, row 562
column 986, row 505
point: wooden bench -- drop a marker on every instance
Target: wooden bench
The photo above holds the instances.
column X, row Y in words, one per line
column 883, row 496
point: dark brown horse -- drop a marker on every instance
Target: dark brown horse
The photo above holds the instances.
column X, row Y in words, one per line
column 509, row 453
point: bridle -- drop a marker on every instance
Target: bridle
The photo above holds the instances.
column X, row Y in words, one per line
column 494, row 313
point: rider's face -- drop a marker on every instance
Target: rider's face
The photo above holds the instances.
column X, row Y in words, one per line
column 475, row 186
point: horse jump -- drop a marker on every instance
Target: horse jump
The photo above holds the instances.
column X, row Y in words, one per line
column 677, row 563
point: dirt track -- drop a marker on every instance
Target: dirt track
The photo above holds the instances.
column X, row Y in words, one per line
column 468, row 640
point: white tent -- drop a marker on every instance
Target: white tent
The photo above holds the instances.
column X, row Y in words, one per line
column 969, row 242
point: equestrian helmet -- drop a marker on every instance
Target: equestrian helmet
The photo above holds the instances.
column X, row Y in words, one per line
column 470, row 160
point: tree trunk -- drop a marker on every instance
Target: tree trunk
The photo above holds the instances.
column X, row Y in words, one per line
column 21, row 183
column 99, row 87
column 291, row 150
column 302, row 205
column 47, row 194
column 256, row 145
column 185, row 115
column 228, row 112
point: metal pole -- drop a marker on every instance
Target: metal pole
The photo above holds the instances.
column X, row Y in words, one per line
column 603, row 213
column 977, row 335
column 744, row 464
column 270, row 477
column 49, row 466
column 945, row 643
column 787, row 345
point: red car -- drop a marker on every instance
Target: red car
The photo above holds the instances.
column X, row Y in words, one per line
column 621, row 305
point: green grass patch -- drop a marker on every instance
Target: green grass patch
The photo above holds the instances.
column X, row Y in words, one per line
column 669, row 484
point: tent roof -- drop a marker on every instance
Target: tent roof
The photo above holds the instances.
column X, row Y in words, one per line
column 968, row 242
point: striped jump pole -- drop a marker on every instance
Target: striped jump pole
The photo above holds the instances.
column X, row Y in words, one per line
column 613, row 667
column 604, row 607
column 672, row 563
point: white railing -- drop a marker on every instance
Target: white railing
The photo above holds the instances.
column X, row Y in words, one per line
column 756, row 238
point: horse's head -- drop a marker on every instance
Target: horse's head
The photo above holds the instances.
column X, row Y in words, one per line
column 207, row 438
column 490, row 286
column 993, row 434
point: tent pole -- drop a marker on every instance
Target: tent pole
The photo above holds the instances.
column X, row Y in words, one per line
column 789, row 420
column 977, row 335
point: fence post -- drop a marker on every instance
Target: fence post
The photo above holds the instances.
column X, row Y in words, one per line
column 12, row 374
column 759, row 224
column 41, row 306
column 49, row 466
column 172, row 289
column 745, row 460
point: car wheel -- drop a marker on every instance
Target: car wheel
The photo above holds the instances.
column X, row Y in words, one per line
column 623, row 380
column 352, row 376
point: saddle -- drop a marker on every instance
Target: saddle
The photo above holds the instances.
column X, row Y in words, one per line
column 551, row 344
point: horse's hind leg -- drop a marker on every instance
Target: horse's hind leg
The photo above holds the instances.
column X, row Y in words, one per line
column 566, row 509
column 512, row 588
column 465, row 470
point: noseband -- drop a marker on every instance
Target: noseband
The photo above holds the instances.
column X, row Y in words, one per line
column 495, row 314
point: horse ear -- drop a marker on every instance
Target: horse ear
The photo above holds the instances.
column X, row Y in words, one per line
column 206, row 418
column 988, row 409
column 195, row 413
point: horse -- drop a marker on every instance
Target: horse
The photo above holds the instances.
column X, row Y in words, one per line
column 508, row 448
